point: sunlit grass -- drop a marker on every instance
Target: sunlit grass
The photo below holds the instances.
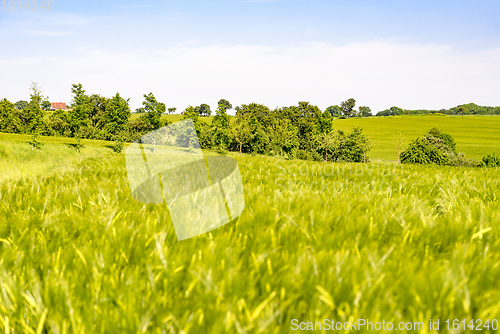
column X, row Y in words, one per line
column 379, row 242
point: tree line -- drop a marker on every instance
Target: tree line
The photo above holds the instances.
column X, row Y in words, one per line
column 298, row 132
column 464, row 109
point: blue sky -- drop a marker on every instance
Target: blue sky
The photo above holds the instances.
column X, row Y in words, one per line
column 414, row 54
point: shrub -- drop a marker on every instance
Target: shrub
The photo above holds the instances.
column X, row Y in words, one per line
column 491, row 160
column 118, row 147
column 448, row 139
column 351, row 147
column 461, row 160
column 434, row 148
column 424, row 151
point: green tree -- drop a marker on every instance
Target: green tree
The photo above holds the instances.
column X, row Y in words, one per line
column 78, row 113
column 325, row 122
column 364, row 111
column 347, row 107
column 59, row 122
column 154, row 110
column 203, row 110
column 327, row 142
column 225, row 104
column 220, row 124
column 21, row 104
column 463, row 110
column 7, row 110
column 282, row 133
column 241, row 131
column 46, row 105
column 334, row 110
column 117, row 116
column 36, row 113
column 172, row 110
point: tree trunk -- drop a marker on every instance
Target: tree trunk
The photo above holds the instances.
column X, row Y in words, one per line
column 241, row 144
column 221, row 142
column 281, row 152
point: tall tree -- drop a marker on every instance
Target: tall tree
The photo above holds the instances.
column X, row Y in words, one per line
column 21, row 104
column 96, row 109
column 78, row 113
column 172, row 110
column 327, row 142
column 364, row 111
column 36, row 113
column 7, row 109
column 241, row 131
column 463, row 110
column 225, row 104
column 204, row 110
column 347, row 107
column 117, row 116
column 154, row 110
column 220, row 124
column 282, row 133
column 334, row 110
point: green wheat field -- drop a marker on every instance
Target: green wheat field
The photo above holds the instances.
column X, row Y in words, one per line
column 381, row 241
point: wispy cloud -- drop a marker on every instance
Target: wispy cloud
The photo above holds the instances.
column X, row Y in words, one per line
column 48, row 33
column 379, row 74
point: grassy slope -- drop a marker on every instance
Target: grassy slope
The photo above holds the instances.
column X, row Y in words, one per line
column 477, row 136
column 77, row 252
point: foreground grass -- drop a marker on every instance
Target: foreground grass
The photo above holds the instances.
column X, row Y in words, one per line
column 316, row 240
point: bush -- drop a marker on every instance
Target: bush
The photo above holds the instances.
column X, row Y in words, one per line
column 491, row 160
column 448, row 139
column 462, row 161
column 434, row 148
column 424, row 151
column 118, row 147
column 351, row 147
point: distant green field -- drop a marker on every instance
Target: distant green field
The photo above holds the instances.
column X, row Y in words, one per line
column 476, row 136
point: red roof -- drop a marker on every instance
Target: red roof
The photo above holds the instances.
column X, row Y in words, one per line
column 58, row 105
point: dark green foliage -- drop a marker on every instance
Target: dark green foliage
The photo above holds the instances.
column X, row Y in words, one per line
column 364, row 111
column 491, row 160
column 118, row 147
column 46, row 105
column 335, row 111
column 393, row 111
column 117, row 116
column 290, row 132
column 225, row 104
column 351, row 147
column 469, row 109
column 21, row 104
column 447, row 139
column 435, row 148
column 426, row 150
column 7, row 121
column 348, row 107
column 203, row 110
column 154, row 110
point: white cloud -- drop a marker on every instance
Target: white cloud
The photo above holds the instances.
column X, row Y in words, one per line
column 378, row 74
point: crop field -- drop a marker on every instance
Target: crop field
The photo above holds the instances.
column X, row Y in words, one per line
column 476, row 136
column 377, row 241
